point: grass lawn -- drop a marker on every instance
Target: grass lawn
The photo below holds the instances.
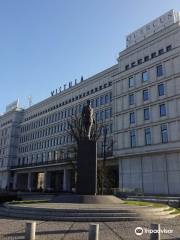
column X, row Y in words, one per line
column 152, row 204
column 141, row 203
column 28, row 201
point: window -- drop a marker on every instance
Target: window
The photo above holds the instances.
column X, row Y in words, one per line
column 131, row 82
column 106, row 113
column 146, row 58
column 97, row 116
column 164, row 133
column 133, row 137
column 101, row 100
column 162, row 109
column 110, row 112
column 132, row 118
column 92, row 103
column 159, row 71
column 145, row 95
column 102, row 115
column 127, row 67
column 146, row 114
column 161, row 51
column 131, row 99
column 97, row 102
column 161, row 89
column 110, row 96
column 153, row 55
column 168, row 48
column 139, row 61
column 147, row 136
column 106, row 98
column 145, row 76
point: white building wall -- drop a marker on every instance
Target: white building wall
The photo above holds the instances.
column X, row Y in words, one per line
column 150, row 168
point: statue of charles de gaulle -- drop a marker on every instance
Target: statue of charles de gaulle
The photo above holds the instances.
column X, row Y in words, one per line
column 87, row 119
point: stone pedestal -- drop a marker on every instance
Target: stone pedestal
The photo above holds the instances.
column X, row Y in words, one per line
column 87, row 168
column 15, row 182
column 66, row 180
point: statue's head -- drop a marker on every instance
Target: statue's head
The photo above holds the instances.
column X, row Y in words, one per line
column 88, row 102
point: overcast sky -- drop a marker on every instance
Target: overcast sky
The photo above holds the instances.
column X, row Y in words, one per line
column 47, row 43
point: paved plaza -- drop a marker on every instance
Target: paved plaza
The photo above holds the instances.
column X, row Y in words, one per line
column 11, row 229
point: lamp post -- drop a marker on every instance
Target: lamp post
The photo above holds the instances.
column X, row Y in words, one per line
column 104, row 159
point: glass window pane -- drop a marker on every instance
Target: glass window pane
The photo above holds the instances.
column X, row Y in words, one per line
column 162, row 110
column 133, row 138
column 161, row 89
column 159, row 71
column 132, row 117
column 131, row 82
column 131, row 99
column 164, row 133
column 145, row 95
column 147, row 136
column 146, row 114
column 145, row 76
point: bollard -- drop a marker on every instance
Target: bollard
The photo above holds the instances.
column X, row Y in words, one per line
column 94, row 232
column 155, row 235
column 30, row 231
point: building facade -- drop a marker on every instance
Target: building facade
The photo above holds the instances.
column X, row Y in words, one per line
column 138, row 103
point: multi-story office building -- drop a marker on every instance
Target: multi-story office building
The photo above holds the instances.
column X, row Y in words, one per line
column 138, row 103
column 44, row 154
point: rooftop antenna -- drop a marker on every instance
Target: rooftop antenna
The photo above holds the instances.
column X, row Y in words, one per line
column 30, row 100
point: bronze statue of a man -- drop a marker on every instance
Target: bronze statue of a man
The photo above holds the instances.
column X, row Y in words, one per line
column 87, row 119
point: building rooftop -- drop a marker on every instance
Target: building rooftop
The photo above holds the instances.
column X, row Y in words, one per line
column 152, row 27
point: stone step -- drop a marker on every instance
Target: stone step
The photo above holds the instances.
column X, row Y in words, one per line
column 69, row 211
column 69, row 214
column 64, row 212
column 84, row 218
column 85, row 215
column 71, row 218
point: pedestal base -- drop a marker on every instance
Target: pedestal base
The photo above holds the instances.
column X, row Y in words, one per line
column 87, row 199
column 87, row 168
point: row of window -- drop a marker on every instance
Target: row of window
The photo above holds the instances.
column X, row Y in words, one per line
column 3, row 141
column 103, row 115
column 62, row 127
column 162, row 113
column 4, row 132
column 148, row 136
column 54, row 141
column 60, row 154
column 67, row 113
column 46, row 144
column 6, row 123
column 145, row 75
column 145, row 94
column 70, row 100
column 147, row 58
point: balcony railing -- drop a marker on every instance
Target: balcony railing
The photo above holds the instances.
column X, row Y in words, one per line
column 50, row 162
column 58, row 161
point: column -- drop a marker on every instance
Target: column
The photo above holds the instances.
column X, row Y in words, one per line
column 66, row 180
column 15, row 181
column 46, row 180
column 120, row 175
column 29, row 185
